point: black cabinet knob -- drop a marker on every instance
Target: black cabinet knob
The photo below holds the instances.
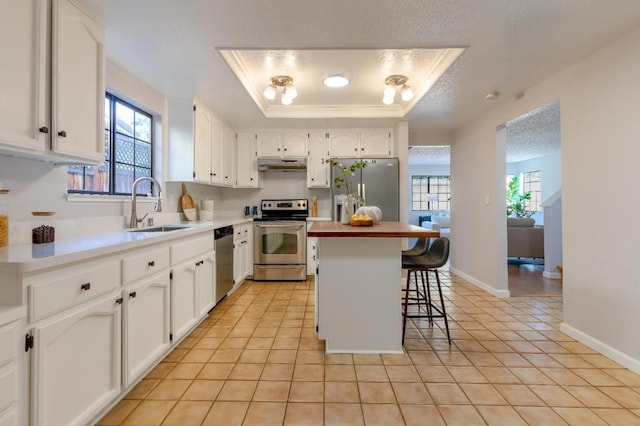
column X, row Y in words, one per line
column 62, row 134
column 44, row 129
column 85, row 286
column 133, row 294
column 152, row 263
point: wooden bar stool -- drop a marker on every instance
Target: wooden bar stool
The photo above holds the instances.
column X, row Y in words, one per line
column 435, row 257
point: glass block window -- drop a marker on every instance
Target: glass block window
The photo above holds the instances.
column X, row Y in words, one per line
column 430, row 193
column 128, row 153
column 532, row 182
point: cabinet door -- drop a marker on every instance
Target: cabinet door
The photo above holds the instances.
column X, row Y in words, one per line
column 317, row 171
column 145, row 324
column 76, row 364
column 229, row 149
column 205, row 284
column 238, row 262
column 78, row 84
column 23, row 43
column 294, row 144
column 202, row 133
column 248, row 251
column 247, row 168
column 217, row 152
column 269, row 145
column 375, row 143
column 184, row 313
column 343, row 143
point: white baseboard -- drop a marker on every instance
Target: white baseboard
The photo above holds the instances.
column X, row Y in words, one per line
column 552, row 275
column 486, row 287
column 606, row 350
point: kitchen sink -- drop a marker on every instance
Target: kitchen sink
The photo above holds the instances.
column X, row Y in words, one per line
column 164, row 228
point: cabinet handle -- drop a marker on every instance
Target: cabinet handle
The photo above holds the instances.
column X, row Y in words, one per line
column 85, row 286
column 200, row 263
column 133, row 294
column 312, row 179
column 215, row 174
column 361, row 149
column 355, row 149
column 152, row 263
column 285, row 149
column 62, row 134
column 251, row 179
column 119, row 301
column 44, row 129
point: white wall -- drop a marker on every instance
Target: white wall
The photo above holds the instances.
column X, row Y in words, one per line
column 422, row 170
column 550, row 171
column 600, row 127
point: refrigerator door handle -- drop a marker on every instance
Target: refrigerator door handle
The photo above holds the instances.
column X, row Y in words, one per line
column 358, row 190
column 364, row 191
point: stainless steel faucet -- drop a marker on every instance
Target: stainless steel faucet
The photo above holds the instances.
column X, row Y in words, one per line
column 133, row 223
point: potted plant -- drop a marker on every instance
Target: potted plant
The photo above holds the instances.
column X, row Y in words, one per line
column 516, row 200
column 344, row 180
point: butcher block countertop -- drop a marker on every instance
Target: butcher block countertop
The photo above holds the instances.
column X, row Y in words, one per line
column 381, row 230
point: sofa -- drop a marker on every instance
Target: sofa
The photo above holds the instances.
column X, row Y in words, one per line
column 439, row 221
column 524, row 239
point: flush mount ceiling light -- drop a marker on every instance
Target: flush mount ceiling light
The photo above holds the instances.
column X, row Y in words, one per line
column 392, row 83
column 289, row 92
column 336, row 81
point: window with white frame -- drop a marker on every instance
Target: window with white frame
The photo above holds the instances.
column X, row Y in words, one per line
column 430, row 193
column 128, row 153
column 532, row 182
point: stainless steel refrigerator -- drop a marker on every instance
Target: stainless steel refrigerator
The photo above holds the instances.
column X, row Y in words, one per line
column 377, row 183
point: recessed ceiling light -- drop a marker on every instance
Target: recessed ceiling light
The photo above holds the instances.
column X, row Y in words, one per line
column 336, row 81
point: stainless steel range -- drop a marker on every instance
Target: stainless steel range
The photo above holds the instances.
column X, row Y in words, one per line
column 280, row 241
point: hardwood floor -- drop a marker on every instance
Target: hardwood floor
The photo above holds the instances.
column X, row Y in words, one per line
column 525, row 279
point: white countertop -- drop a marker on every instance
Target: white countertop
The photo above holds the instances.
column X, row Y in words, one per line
column 31, row 257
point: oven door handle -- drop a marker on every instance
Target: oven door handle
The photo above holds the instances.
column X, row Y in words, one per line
column 280, row 226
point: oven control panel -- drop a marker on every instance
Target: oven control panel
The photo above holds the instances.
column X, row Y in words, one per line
column 284, row 205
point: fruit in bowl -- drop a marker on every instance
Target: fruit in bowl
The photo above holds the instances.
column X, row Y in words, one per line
column 361, row 220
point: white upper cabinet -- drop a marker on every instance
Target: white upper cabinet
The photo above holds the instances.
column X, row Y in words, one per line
column 202, row 137
column 247, row 175
column 201, row 146
column 269, row 144
column 23, row 47
column 218, row 152
column 295, row 143
column 317, row 170
column 72, row 127
column 78, row 84
column 229, row 152
column 375, row 143
column 289, row 144
column 363, row 143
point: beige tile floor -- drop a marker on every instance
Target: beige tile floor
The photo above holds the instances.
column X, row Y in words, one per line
column 256, row 361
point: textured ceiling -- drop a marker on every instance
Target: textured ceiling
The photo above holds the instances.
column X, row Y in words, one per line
column 511, row 45
column 366, row 69
column 532, row 135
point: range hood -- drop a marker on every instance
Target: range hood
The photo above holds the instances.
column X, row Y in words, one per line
column 282, row 164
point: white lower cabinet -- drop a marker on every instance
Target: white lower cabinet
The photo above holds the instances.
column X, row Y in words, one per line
column 184, row 311
column 13, row 374
column 242, row 252
column 205, row 285
column 146, row 325
column 76, row 363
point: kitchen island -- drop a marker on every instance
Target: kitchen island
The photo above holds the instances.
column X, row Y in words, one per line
column 358, row 283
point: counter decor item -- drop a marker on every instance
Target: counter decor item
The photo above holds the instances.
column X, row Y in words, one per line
column 314, row 206
column 191, row 214
column 348, row 208
column 206, row 210
column 42, row 233
column 186, row 200
column 4, row 217
column 372, row 211
column 361, row 220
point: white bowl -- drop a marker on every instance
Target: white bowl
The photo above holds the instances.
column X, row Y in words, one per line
column 191, row 214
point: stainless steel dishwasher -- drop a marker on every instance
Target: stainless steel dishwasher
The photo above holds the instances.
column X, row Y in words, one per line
column 224, row 261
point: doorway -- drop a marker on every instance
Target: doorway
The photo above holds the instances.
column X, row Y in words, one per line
column 534, row 226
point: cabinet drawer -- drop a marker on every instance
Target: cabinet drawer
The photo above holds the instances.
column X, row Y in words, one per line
column 191, row 248
column 142, row 263
column 8, row 387
column 55, row 291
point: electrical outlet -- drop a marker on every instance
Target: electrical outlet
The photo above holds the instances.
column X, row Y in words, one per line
column 150, row 221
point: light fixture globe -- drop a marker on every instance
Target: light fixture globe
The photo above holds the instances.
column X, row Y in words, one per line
column 389, row 92
column 406, row 93
column 270, row 92
column 336, row 81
